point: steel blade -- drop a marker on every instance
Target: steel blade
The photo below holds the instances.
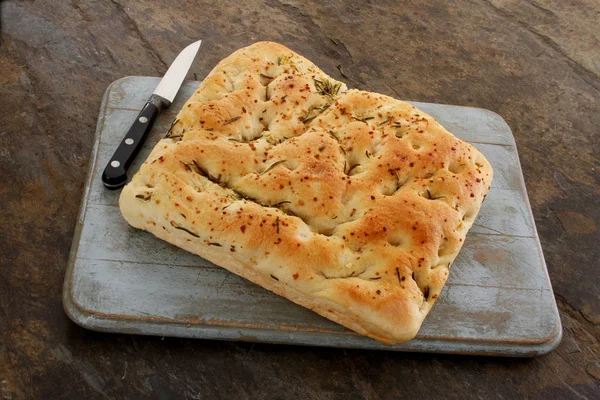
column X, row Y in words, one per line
column 171, row 82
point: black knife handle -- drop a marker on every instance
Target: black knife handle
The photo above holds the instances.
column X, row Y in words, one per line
column 115, row 173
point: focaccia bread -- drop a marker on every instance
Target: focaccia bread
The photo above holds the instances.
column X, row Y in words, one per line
column 350, row 203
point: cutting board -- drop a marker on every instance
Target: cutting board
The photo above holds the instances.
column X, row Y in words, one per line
column 498, row 299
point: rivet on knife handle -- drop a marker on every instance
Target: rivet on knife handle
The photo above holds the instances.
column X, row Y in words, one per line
column 115, row 173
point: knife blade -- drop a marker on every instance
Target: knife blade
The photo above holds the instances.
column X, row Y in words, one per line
column 115, row 173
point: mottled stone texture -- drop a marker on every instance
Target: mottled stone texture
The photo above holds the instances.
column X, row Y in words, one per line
column 535, row 63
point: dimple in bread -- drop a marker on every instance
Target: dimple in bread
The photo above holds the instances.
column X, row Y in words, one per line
column 350, row 203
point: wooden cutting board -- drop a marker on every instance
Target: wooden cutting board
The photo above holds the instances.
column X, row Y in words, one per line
column 498, row 299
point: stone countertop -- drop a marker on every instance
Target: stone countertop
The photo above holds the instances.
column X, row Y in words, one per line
column 537, row 64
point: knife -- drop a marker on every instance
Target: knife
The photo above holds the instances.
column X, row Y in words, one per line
column 115, row 173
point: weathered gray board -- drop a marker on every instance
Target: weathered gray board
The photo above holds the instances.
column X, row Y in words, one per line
column 498, row 299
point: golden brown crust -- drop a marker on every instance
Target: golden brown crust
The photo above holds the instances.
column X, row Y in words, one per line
column 350, row 203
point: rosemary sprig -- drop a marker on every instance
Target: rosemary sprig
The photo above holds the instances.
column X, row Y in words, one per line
column 288, row 212
column 186, row 230
column 145, row 196
column 433, row 198
column 385, row 122
column 195, row 167
column 198, row 169
column 186, row 165
column 170, row 131
column 313, row 113
column 229, row 121
column 283, row 139
column 282, row 60
column 352, row 168
column 181, row 228
column 397, row 125
column 273, row 166
column 326, row 88
column 333, row 135
column 365, row 119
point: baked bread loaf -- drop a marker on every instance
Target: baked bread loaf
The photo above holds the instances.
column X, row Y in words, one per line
column 350, row 203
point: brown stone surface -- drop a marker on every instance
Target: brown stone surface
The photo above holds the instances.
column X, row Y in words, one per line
column 535, row 63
